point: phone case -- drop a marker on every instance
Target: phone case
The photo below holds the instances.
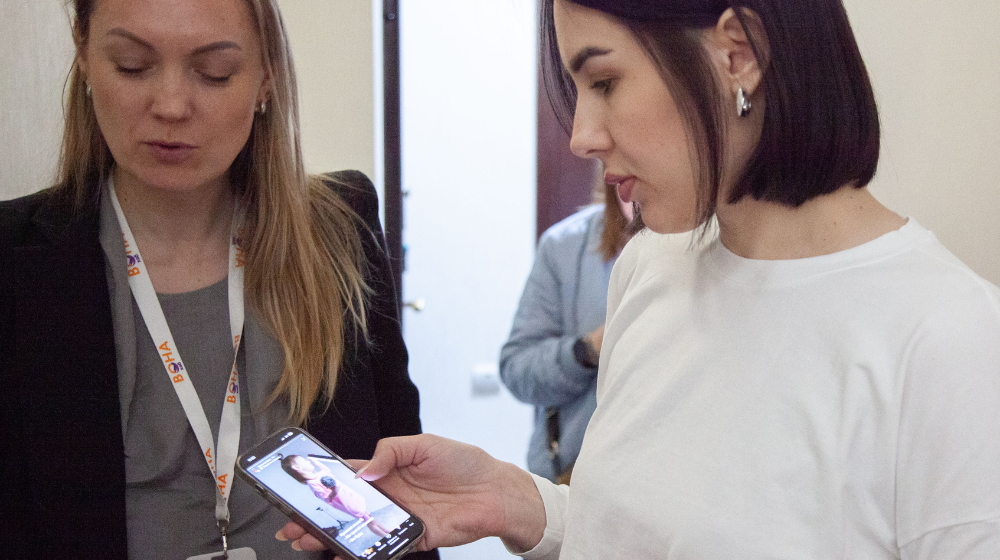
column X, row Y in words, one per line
column 318, row 491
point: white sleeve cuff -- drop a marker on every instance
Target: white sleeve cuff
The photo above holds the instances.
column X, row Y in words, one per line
column 554, row 498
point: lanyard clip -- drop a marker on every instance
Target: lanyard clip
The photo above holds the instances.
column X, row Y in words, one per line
column 224, row 529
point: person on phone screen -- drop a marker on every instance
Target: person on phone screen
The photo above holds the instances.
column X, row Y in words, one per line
column 182, row 291
column 550, row 358
column 326, row 487
column 819, row 380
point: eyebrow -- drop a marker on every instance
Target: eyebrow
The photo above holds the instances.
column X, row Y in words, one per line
column 118, row 31
column 216, row 46
column 584, row 55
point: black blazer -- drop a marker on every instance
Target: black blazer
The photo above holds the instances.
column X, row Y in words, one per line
column 62, row 468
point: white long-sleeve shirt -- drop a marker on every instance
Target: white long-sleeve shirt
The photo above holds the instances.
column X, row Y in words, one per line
column 841, row 406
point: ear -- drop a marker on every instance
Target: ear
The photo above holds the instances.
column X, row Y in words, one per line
column 737, row 62
column 265, row 88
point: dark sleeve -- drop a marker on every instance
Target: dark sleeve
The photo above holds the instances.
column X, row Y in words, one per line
column 59, row 406
column 397, row 398
column 13, row 494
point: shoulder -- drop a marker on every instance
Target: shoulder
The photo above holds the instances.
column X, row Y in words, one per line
column 576, row 224
column 930, row 276
column 649, row 253
column 23, row 208
column 571, row 232
column 20, row 217
column 358, row 191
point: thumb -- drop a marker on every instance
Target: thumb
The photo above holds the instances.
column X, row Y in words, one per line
column 390, row 454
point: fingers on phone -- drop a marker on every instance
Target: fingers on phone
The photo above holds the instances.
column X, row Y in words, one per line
column 291, row 531
column 308, row 542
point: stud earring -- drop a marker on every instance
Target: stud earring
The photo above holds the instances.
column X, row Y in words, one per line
column 743, row 104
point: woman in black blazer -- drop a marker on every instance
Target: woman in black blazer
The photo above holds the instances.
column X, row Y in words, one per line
column 187, row 117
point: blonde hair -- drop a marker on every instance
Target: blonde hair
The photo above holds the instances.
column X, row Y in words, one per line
column 305, row 268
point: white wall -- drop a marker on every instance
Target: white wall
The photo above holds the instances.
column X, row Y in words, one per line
column 468, row 141
column 332, row 47
column 936, row 70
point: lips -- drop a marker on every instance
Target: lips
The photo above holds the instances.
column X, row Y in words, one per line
column 624, row 184
column 170, row 152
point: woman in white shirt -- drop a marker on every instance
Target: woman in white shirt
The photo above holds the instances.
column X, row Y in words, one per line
column 820, row 381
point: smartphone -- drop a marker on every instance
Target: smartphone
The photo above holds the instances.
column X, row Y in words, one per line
column 317, row 489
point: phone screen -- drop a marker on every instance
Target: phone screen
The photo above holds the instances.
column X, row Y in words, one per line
column 323, row 490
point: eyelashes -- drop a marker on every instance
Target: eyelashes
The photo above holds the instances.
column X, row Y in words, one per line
column 216, row 80
column 129, row 71
column 137, row 71
column 603, row 86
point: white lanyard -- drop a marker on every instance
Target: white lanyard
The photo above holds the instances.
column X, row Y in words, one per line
column 222, row 460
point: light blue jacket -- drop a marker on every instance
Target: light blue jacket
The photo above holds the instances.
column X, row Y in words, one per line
column 565, row 297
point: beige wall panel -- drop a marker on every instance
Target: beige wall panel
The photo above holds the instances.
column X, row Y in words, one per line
column 36, row 51
column 937, row 77
column 332, row 45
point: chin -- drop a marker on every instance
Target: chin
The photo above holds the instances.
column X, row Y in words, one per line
column 173, row 180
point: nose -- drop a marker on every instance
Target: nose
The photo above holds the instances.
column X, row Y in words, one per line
column 590, row 138
column 172, row 95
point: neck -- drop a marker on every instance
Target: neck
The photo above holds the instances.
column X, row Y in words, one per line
column 826, row 224
column 183, row 233
column 191, row 215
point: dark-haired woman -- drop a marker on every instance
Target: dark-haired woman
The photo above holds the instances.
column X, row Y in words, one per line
column 823, row 381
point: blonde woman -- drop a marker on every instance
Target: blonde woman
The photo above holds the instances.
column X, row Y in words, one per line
column 183, row 290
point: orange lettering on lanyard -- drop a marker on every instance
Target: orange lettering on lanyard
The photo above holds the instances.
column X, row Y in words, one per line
column 233, row 387
column 172, row 365
column 238, row 241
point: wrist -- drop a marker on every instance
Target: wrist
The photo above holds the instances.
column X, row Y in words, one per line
column 524, row 511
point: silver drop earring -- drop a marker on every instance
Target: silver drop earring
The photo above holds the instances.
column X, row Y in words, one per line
column 88, row 88
column 743, row 104
column 262, row 108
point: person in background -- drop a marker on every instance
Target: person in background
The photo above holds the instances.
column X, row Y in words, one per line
column 819, row 380
column 550, row 359
column 184, row 290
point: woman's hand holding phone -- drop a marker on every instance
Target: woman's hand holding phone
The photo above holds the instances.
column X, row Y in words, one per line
column 460, row 492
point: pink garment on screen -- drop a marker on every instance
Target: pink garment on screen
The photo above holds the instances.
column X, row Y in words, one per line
column 346, row 499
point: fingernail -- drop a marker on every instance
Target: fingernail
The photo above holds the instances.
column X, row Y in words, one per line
column 280, row 535
column 361, row 470
column 296, row 546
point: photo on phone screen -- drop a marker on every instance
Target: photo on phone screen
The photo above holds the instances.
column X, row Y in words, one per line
column 323, row 490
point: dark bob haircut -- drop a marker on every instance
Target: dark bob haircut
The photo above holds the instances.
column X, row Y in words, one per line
column 821, row 127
